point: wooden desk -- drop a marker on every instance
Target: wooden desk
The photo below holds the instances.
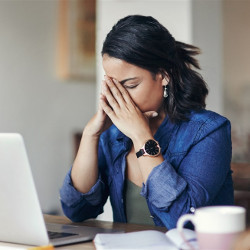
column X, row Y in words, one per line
column 101, row 224
column 241, row 179
column 91, row 223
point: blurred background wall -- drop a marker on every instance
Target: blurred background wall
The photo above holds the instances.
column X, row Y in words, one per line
column 47, row 110
column 236, row 75
column 33, row 100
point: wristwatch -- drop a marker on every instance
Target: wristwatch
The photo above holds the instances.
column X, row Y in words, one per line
column 150, row 148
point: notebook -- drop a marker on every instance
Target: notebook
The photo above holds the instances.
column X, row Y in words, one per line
column 148, row 240
column 21, row 218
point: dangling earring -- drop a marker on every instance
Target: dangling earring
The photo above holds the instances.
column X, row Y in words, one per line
column 165, row 92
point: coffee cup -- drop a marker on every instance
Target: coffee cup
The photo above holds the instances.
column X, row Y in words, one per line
column 216, row 227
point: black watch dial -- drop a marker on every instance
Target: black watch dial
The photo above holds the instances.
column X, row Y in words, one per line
column 152, row 148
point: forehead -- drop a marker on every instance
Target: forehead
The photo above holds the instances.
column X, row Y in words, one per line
column 119, row 69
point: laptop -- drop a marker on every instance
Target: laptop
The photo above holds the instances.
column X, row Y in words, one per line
column 21, row 218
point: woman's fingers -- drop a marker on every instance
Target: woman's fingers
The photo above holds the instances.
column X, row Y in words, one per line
column 112, row 92
column 123, row 91
column 106, row 108
column 119, row 92
column 111, row 100
column 150, row 114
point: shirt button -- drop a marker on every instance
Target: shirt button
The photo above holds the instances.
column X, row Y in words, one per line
column 192, row 209
column 151, row 216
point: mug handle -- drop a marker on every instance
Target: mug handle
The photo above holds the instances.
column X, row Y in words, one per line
column 180, row 225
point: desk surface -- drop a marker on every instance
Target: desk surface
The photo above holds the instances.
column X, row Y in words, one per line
column 95, row 223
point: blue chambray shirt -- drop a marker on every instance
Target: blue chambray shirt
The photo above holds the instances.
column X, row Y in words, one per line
column 195, row 172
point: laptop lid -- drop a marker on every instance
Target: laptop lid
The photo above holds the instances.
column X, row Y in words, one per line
column 21, row 218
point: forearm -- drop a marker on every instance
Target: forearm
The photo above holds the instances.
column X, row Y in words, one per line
column 85, row 168
column 147, row 164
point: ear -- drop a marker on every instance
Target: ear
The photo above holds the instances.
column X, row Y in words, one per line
column 165, row 78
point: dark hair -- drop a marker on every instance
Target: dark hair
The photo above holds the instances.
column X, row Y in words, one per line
column 144, row 42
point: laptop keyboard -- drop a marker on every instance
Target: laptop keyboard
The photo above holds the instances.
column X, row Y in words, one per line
column 56, row 235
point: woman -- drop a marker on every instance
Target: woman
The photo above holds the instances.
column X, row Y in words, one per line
column 152, row 147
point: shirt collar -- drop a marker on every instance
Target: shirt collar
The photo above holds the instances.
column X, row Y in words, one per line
column 164, row 133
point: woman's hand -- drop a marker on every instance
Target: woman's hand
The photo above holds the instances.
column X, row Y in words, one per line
column 85, row 171
column 116, row 102
column 99, row 123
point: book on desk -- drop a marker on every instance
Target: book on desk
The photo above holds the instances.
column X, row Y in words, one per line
column 146, row 240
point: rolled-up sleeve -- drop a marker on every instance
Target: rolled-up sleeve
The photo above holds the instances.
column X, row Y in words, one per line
column 165, row 179
column 71, row 197
column 79, row 206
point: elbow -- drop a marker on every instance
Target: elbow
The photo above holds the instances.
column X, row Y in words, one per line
column 80, row 214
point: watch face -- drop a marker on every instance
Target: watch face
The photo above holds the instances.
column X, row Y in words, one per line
column 152, row 148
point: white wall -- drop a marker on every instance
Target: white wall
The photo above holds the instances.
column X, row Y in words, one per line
column 236, row 50
column 207, row 25
column 32, row 100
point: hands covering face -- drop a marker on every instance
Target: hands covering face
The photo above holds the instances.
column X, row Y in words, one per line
column 122, row 111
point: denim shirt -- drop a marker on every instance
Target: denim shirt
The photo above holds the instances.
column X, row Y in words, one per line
column 195, row 172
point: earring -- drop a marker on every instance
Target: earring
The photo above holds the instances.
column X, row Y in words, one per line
column 165, row 92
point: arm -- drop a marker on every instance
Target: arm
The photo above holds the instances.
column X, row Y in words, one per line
column 84, row 191
column 85, row 168
column 84, row 173
column 202, row 175
column 80, row 206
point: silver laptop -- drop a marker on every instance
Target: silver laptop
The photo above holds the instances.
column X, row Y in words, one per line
column 21, row 219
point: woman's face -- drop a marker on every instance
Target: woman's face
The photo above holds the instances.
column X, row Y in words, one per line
column 145, row 91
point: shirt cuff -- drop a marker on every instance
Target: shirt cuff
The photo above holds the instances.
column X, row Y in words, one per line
column 71, row 197
column 163, row 186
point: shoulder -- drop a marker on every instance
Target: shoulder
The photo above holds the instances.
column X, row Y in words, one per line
column 201, row 124
column 206, row 116
column 207, row 121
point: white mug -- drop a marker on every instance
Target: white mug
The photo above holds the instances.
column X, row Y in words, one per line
column 217, row 227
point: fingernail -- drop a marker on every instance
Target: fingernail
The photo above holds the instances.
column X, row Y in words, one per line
column 154, row 114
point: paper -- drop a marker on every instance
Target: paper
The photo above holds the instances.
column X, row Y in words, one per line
column 4, row 247
column 190, row 236
column 146, row 240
